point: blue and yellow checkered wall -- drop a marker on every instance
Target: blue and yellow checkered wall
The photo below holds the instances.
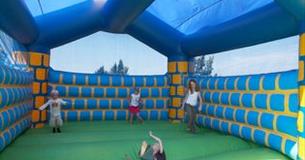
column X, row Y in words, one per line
column 261, row 108
column 15, row 103
column 104, row 97
column 177, row 71
column 301, row 113
column 39, row 63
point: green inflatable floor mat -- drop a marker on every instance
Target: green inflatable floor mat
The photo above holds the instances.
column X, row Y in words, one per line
column 116, row 140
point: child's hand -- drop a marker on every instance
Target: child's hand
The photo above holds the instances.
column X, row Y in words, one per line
column 182, row 107
column 200, row 108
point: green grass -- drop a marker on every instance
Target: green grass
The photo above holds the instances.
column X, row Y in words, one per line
column 112, row 140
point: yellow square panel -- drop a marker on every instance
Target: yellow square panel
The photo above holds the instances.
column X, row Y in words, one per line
column 180, row 114
column 172, row 90
column 44, row 87
column 180, row 90
column 41, row 74
column 172, row 113
column 172, row 67
column 301, row 70
column 183, row 66
column 300, row 122
column 43, row 115
column 35, row 115
column 39, row 125
column 46, row 60
column 302, row 148
column 39, row 101
column 302, row 96
column 35, row 59
column 176, row 102
column 36, row 87
column 177, row 79
column 302, row 44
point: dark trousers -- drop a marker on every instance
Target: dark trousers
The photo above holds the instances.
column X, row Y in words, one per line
column 191, row 117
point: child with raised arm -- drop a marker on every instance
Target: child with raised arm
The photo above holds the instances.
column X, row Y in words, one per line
column 134, row 105
column 152, row 152
column 191, row 100
column 55, row 108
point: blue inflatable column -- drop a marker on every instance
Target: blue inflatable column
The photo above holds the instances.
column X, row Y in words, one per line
column 177, row 70
column 39, row 62
column 301, row 113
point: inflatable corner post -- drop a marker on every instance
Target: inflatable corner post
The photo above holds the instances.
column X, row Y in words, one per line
column 177, row 70
column 40, row 63
column 301, row 112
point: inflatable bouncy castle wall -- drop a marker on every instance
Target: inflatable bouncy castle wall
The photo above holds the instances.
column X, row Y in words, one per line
column 267, row 109
column 261, row 108
column 15, row 91
column 105, row 97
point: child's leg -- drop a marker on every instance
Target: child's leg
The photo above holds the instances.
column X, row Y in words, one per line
column 131, row 117
column 59, row 123
column 52, row 124
column 193, row 120
column 140, row 118
column 189, row 117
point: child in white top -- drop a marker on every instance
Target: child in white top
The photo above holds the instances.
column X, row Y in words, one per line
column 191, row 101
column 55, row 109
column 134, row 105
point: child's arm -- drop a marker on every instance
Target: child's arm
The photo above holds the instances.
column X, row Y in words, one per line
column 140, row 101
column 63, row 102
column 44, row 105
column 129, row 99
column 158, row 140
column 200, row 102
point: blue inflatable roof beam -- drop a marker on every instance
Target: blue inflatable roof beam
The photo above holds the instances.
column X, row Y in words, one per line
column 295, row 7
column 66, row 25
column 158, row 35
column 256, row 27
column 17, row 21
column 119, row 14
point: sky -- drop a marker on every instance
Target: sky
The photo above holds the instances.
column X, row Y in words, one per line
column 88, row 54
column 280, row 55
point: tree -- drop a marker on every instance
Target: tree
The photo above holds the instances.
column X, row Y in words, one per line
column 101, row 70
column 114, row 69
column 122, row 70
column 203, row 67
column 118, row 69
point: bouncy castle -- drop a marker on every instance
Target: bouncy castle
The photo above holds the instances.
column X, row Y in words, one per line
column 242, row 117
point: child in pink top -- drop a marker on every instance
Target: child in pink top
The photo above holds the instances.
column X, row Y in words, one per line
column 134, row 105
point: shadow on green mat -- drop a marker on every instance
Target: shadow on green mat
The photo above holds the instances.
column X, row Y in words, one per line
column 114, row 140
